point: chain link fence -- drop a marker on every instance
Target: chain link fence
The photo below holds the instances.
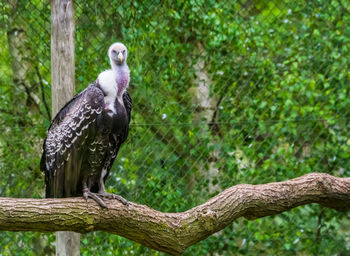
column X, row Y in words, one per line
column 223, row 93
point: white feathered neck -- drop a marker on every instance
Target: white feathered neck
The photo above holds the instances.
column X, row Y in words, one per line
column 114, row 81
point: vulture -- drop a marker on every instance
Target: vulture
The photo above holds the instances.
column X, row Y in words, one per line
column 83, row 139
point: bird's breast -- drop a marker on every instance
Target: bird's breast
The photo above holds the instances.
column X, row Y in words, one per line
column 120, row 119
column 116, row 111
column 110, row 109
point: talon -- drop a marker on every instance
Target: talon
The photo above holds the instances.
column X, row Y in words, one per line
column 85, row 194
column 113, row 196
column 94, row 196
column 122, row 200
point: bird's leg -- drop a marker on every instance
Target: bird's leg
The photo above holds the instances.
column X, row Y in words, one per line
column 102, row 192
column 94, row 196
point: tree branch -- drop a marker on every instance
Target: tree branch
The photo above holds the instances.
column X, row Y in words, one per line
column 43, row 98
column 174, row 232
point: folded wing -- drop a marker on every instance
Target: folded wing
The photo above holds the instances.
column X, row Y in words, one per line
column 68, row 137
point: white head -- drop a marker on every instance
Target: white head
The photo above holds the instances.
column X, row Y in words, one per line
column 117, row 53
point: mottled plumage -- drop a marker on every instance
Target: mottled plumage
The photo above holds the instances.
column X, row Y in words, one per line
column 84, row 138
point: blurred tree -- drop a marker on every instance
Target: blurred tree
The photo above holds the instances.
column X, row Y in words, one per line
column 24, row 77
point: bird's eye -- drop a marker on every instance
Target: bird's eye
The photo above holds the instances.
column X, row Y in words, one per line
column 123, row 51
column 114, row 52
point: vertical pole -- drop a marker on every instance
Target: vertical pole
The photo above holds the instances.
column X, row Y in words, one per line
column 62, row 53
column 63, row 89
column 67, row 243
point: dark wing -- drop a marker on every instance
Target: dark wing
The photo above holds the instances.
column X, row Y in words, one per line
column 73, row 128
column 127, row 103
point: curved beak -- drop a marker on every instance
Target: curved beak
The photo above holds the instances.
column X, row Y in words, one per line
column 120, row 57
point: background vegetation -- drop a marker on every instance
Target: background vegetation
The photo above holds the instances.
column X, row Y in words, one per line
column 224, row 92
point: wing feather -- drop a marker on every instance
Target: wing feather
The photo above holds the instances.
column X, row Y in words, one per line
column 63, row 150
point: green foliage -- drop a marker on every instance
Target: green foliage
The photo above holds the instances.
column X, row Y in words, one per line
column 280, row 73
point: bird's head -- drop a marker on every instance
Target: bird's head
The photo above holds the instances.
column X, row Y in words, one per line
column 117, row 53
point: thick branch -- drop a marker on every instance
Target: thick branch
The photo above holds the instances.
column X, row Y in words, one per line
column 174, row 232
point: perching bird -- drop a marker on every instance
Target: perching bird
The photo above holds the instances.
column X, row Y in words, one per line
column 84, row 138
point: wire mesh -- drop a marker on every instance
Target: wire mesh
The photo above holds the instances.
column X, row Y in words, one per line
column 223, row 93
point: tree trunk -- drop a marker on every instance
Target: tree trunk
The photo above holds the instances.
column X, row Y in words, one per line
column 25, row 88
column 62, row 53
column 67, row 243
column 174, row 232
column 63, row 88
column 205, row 109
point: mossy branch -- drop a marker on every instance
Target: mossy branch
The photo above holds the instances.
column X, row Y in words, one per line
column 174, row 232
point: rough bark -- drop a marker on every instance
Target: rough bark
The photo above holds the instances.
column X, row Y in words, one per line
column 174, row 232
column 63, row 87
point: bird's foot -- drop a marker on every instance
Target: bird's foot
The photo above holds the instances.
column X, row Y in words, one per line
column 113, row 196
column 94, row 196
